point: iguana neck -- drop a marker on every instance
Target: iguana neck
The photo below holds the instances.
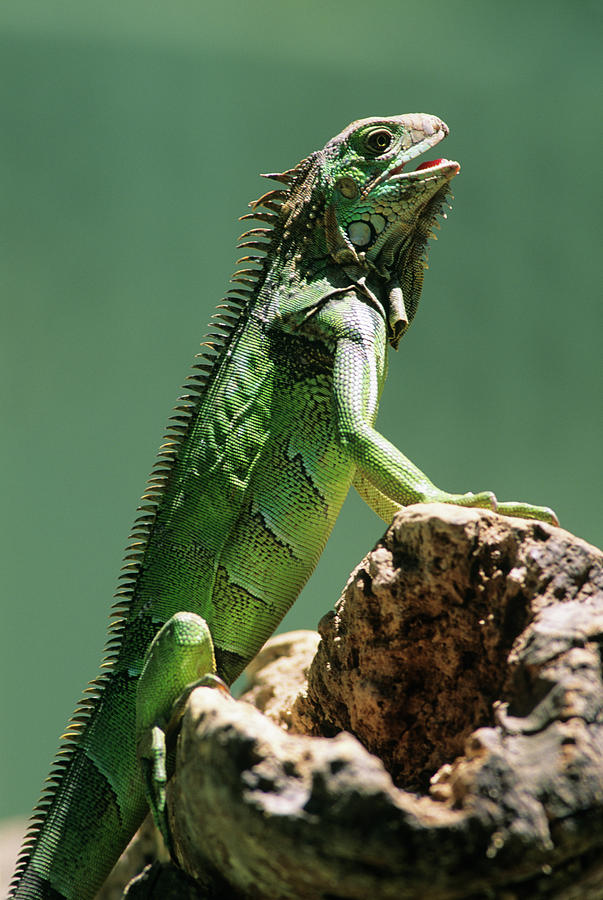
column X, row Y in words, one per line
column 306, row 245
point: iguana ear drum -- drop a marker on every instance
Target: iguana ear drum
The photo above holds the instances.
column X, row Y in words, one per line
column 363, row 232
column 348, row 187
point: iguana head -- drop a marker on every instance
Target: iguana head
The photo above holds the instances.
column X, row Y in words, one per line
column 358, row 202
column 379, row 215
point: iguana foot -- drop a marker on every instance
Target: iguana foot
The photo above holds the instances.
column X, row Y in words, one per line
column 152, row 756
column 487, row 500
column 482, row 500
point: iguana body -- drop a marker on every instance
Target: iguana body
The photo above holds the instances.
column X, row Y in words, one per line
column 276, row 424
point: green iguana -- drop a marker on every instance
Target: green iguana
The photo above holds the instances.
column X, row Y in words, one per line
column 276, row 423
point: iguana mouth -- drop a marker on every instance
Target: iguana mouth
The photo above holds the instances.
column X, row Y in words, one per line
column 440, row 165
column 445, row 167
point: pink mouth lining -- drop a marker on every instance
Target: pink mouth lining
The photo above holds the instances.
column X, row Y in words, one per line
column 429, row 163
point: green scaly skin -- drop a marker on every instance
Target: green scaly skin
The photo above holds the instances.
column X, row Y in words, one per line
column 276, row 423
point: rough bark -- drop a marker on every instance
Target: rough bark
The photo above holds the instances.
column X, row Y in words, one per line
column 456, row 620
column 465, row 654
column 278, row 675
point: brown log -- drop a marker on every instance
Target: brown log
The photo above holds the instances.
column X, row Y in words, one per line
column 465, row 657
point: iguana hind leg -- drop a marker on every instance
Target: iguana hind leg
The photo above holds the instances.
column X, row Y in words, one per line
column 180, row 658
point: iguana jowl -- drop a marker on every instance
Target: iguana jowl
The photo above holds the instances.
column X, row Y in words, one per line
column 276, row 423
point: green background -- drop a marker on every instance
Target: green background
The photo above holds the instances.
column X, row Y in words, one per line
column 131, row 135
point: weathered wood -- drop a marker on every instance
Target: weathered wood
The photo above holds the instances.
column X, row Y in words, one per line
column 465, row 653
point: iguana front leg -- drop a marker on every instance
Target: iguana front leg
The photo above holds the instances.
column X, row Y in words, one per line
column 180, row 658
column 385, row 477
column 378, row 502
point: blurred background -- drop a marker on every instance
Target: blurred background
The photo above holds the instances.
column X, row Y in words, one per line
column 132, row 135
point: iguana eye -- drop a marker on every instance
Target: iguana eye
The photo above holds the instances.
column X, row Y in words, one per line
column 378, row 140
